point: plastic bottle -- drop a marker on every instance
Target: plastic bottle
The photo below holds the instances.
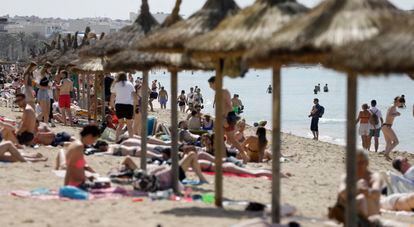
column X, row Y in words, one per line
column 73, row 193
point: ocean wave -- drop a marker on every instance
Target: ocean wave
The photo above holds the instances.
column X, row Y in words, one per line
column 331, row 120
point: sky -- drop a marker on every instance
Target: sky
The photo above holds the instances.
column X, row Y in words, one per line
column 118, row 9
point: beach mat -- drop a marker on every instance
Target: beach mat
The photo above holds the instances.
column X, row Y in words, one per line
column 94, row 194
column 237, row 175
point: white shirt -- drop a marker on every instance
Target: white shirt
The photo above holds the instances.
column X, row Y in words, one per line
column 409, row 174
column 190, row 97
column 123, row 92
column 375, row 110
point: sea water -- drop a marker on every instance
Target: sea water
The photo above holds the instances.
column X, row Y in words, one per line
column 298, row 84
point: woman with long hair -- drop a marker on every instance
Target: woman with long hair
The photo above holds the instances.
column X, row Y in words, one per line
column 256, row 146
column 124, row 92
column 391, row 138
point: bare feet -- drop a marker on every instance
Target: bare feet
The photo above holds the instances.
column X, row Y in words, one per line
column 387, row 157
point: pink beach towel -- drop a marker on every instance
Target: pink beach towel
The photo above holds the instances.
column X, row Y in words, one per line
column 94, row 194
column 237, row 175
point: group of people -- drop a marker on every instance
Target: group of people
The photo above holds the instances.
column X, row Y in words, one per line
column 372, row 123
column 317, row 89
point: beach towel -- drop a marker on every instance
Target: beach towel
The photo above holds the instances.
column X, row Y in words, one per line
column 94, row 194
column 237, row 175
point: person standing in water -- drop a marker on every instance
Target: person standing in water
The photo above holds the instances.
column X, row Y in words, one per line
column 391, row 138
column 269, row 89
column 315, row 114
column 325, row 88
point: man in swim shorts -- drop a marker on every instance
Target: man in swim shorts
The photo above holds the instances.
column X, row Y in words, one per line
column 24, row 134
column 163, row 98
column 66, row 87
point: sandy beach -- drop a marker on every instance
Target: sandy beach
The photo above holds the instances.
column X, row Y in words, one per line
column 316, row 167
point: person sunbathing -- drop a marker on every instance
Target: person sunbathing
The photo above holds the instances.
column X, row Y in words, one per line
column 402, row 165
column 24, row 134
column 163, row 172
column 10, row 153
column 369, row 187
column 75, row 159
column 398, row 202
column 45, row 136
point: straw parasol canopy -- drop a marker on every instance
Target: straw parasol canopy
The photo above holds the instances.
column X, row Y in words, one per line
column 333, row 23
column 173, row 38
column 240, row 32
column 122, row 39
column 390, row 52
column 133, row 60
column 90, row 65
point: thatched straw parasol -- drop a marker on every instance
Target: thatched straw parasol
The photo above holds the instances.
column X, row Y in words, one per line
column 88, row 66
column 121, row 40
column 173, row 38
column 390, row 52
column 309, row 39
column 239, row 33
column 242, row 31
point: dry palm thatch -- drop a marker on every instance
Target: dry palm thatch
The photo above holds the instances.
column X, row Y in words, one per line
column 121, row 40
column 92, row 65
column 390, row 52
column 173, row 38
column 174, row 17
column 133, row 60
column 333, row 23
column 240, row 32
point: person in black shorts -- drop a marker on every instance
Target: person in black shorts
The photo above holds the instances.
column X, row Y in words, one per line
column 124, row 92
column 315, row 115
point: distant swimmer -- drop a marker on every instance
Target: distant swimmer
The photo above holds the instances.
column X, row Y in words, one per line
column 315, row 91
column 318, row 87
column 269, row 89
column 325, row 88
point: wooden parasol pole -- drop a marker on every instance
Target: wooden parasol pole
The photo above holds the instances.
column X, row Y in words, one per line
column 351, row 165
column 174, row 130
column 276, row 141
column 219, row 135
column 95, row 111
column 88, row 95
column 144, row 116
column 103, row 98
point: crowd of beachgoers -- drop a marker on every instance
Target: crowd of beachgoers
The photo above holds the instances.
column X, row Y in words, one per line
column 45, row 96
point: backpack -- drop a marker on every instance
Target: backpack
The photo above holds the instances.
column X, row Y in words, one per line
column 374, row 119
column 321, row 111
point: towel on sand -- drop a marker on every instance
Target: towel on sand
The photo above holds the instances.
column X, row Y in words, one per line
column 236, row 175
column 107, row 193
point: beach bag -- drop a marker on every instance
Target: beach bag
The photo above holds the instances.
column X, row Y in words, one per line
column 142, row 181
column 321, row 111
column 374, row 119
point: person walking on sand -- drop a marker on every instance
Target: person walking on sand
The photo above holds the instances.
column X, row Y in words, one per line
column 391, row 138
column 375, row 122
column 316, row 113
column 364, row 126
column 65, row 87
column 163, row 98
column 124, row 92
column 43, row 95
column 230, row 120
column 182, row 101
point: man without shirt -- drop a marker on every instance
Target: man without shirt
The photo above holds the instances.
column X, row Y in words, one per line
column 24, row 134
column 230, row 120
column 163, row 98
column 66, row 87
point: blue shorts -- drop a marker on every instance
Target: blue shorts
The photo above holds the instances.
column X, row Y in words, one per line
column 163, row 101
column 375, row 133
column 43, row 95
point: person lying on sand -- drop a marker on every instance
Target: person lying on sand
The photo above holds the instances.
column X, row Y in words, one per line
column 398, row 202
column 45, row 136
column 402, row 165
column 75, row 159
column 24, row 134
column 368, row 192
column 10, row 153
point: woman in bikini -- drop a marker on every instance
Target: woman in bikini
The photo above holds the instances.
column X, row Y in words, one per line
column 364, row 126
column 241, row 126
column 256, row 146
column 75, row 159
column 391, row 138
column 182, row 101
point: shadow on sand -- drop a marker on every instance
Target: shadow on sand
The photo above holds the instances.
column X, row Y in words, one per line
column 212, row 212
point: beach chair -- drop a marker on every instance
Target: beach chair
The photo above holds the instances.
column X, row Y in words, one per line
column 151, row 125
